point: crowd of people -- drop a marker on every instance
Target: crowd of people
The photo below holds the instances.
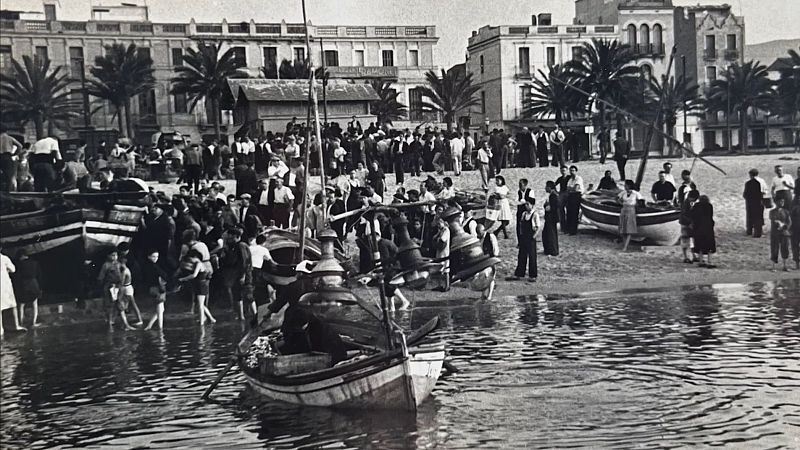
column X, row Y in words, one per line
column 209, row 244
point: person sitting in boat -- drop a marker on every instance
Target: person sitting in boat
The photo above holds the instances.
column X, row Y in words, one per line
column 607, row 182
column 302, row 330
column 663, row 190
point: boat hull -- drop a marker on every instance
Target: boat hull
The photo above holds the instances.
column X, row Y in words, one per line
column 659, row 226
column 95, row 229
column 398, row 383
column 73, row 242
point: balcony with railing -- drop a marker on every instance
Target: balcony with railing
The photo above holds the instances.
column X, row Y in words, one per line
column 731, row 54
column 710, row 54
column 212, row 30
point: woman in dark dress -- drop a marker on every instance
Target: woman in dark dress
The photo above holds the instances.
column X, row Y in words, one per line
column 551, row 218
column 26, row 286
column 375, row 178
column 702, row 215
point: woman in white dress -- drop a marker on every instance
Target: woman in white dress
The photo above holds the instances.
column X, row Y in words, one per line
column 501, row 194
column 629, row 198
column 7, row 298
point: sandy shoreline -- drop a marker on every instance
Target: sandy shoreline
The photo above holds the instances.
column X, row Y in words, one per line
column 592, row 260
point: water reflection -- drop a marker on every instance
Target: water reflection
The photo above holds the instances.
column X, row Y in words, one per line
column 700, row 366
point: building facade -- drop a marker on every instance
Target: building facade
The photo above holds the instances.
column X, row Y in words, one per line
column 401, row 54
column 504, row 60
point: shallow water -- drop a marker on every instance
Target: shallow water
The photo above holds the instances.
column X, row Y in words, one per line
column 702, row 366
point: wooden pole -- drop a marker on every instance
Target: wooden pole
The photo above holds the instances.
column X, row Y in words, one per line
column 376, row 258
column 656, row 123
column 680, row 144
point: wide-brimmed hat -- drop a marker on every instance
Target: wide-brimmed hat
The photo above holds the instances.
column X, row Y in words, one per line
column 246, row 196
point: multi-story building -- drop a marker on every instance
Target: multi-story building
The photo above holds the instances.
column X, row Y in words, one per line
column 400, row 53
column 503, row 61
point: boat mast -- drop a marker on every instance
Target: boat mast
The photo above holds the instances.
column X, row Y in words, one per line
column 649, row 136
column 664, row 135
column 312, row 98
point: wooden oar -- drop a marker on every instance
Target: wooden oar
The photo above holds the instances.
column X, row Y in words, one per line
column 245, row 343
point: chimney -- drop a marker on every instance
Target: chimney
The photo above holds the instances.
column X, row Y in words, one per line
column 545, row 19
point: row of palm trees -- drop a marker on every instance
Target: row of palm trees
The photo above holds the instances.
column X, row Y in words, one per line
column 607, row 72
column 35, row 92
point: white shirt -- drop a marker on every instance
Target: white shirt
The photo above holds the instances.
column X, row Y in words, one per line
column 447, row 193
column 292, row 151
column 46, row 146
column 557, row 137
column 283, row 195
column 630, row 200
column 456, row 147
column 277, row 171
column 670, row 178
column 575, row 185
column 780, row 183
column 249, row 147
column 259, row 254
column 483, row 155
column 428, row 197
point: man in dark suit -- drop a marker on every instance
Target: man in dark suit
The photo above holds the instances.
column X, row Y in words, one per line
column 246, row 179
column 336, row 206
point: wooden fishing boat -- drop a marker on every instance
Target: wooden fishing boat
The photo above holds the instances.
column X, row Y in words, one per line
column 657, row 224
column 399, row 379
column 284, row 244
column 43, row 230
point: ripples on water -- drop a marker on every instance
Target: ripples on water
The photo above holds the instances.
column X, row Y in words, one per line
column 705, row 366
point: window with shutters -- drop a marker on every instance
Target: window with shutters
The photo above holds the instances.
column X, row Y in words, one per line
column 271, row 62
column 76, row 62
column 413, row 58
column 387, row 58
column 177, row 56
column 331, row 58
column 551, row 56
column 299, row 54
column 41, row 54
column 524, row 61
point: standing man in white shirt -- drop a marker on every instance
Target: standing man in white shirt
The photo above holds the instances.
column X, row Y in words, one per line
column 557, row 146
column 782, row 186
column 282, row 205
column 456, row 152
column 44, row 154
column 484, row 157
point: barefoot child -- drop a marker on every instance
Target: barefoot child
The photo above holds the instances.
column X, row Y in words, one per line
column 154, row 281
column 193, row 269
column 111, row 278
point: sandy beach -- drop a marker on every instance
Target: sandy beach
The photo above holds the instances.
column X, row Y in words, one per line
column 593, row 261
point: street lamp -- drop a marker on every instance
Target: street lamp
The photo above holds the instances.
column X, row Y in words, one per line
column 728, row 108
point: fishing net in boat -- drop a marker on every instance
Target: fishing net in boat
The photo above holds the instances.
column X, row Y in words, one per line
column 261, row 348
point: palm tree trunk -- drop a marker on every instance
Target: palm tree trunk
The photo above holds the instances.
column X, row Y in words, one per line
column 38, row 123
column 128, row 124
column 120, row 120
column 216, row 115
column 671, row 132
column 743, row 134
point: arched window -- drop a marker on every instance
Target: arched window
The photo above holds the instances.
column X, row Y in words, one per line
column 658, row 39
column 632, row 36
column 644, row 37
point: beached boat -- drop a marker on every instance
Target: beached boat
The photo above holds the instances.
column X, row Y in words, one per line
column 399, row 379
column 70, row 232
column 656, row 224
column 45, row 229
column 284, row 244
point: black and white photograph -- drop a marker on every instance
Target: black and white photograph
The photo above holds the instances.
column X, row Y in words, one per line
column 399, row 224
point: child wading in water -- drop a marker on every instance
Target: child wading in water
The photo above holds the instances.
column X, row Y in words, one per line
column 154, row 280
column 193, row 269
column 111, row 277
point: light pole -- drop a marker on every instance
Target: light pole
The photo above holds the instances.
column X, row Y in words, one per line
column 728, row 108
column 685, row 83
